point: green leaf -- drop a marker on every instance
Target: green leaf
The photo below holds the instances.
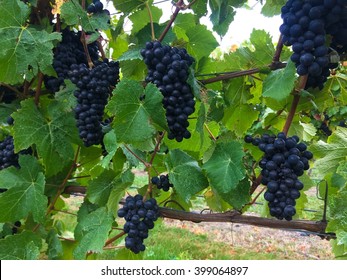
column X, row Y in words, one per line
column 234, row 118
column 222, row 14
column 127, row 6
column 55, row 248
column 92, row 231
column 133, row 69
column 280, row 83
column 239, row 195
column 185, row 174
column 99, row 189
column 25, row 192
column 137, row 111
column 272, row 7
column 224, row 168
column 140, row 18
column 110, row 142
column 201, row 42
column 24, row 50
column 50, row 128
column 330, row 154
column 73, row 14
column 24, row 246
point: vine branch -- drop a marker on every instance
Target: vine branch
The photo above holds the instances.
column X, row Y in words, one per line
column 179, row 6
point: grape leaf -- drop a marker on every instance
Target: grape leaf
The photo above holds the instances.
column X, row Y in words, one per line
column 140, row 18
column 136, row 112
column 272, row 7
column 237, row 196
column 23, row 246
column 110, row 142
column 50, row 128
column 234, row 118
column 127, row 6
column 280, row 83
column 55, row 248
column 224, row 168
column 92, row 231
column 99, row 189
column 201, row 42
column 24, row 50
column 73, row 14
column 222, row 14
column 330, row 154
column 185, row 174
column 25, row 192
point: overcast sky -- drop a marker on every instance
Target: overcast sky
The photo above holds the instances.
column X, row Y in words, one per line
column 240, row 29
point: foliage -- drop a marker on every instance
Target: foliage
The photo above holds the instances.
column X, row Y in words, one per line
column 214, row 163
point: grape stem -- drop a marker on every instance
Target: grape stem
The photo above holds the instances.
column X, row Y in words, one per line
column 85, row 47
column 101, row 49
column 150, row 20
column 11, row 88
column 38, row 89
column 179, row 6
column 296, row 99
column 279, row 47
column 210, row 132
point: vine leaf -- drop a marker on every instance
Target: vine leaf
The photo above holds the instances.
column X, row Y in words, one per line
column 225, row 170
column 73, row 14
column 92, row 231
column 25, row 191
column 137, row 112
column 330, row 154
column 185, row 174
column 23, row 246
column 50, row 128
column 201, row 42
column 279, row 83
column 100, row 188
column 140, row 18
column 24, row 50
column 272, row 7
column 222, row 14
column 127, row 6
column 110, row 142
column 55, row 248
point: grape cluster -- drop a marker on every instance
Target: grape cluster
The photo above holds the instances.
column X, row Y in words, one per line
column 95, row 7
column 140, row 217
column 162, row 182
column 68, row 52
column 305, row 26
column 7, row 155
column 168, row 69
column 7, row 95
column 93, row 89
column 284, row 160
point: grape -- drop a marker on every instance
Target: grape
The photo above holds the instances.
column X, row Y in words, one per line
column 93, row 89
column 68, row 52
column 140, row 217
column 284, row 160
column 306, row 24
column 168, row 69
column 162, row 182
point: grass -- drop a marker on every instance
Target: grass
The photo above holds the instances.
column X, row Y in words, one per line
column 172, row 243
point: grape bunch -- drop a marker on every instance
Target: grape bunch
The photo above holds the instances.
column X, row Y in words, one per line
column 284, row 160
column 93, row 89
column 162, row 182
column 306, row 24
column 68, row 52
column 95, row 7
column 140, row 217
column 7, row 155
column 168, row 69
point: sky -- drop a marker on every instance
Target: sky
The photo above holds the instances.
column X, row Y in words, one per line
column 239, row 30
